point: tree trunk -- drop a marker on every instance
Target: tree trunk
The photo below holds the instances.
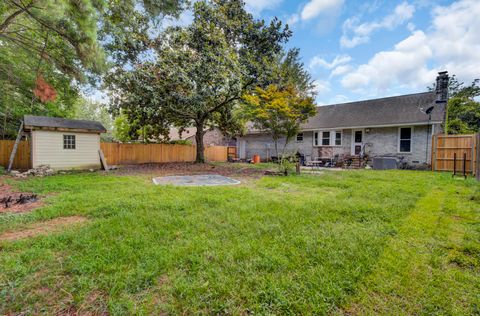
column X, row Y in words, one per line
column 200, row 158
column 275, row 142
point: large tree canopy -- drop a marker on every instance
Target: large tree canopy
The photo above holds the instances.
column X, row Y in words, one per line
column 200, row 72
column 49, row 48
column 45, row 44
column 463, row 110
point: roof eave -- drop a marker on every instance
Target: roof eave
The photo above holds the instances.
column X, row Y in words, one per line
column 62, row 129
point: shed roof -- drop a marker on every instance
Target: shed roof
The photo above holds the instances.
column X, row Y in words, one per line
column 32, row 122
column 390, row 111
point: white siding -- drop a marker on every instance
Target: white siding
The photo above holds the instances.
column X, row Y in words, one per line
column 47, row 149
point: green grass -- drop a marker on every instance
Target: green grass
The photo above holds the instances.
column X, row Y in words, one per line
column 356, row 242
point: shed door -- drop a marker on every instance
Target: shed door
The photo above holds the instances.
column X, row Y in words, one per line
column 241, row 149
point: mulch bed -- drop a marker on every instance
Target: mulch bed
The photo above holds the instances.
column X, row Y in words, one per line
column 6, row 191
column 170, row 169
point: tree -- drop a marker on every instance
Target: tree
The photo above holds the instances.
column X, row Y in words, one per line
column 86, row 109
column 463, row 109
column 62, row 44
column 201, row 71
column 278, row 111
column 45, row 44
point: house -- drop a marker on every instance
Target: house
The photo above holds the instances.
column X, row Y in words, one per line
column 396, row 126
column 212, row 137
column 63, row 143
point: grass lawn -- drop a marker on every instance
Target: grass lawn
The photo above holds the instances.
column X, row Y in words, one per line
column 354, row 242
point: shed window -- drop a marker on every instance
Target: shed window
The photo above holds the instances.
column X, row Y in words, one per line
column 300, row 137
column 405, row 140
column 69, row 142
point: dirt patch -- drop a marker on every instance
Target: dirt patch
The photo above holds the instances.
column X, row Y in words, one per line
column 180, row 169
column 18, row 201
column 43, row 228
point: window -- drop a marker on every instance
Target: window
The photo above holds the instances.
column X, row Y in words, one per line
column 405, row 139
column 327, row 138
column 68, row 141
column 338, row 138
column 358, row 136
column 300, row 137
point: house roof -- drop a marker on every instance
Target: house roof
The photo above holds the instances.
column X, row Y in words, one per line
column 398, row 110
column 32, row 122
column 187, row 133
column 390, row 111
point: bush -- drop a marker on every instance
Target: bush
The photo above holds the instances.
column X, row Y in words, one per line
column 2, row 170
column 180, row 142
column 286, row 166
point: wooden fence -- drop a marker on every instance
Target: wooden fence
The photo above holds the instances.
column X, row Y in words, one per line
column 22, row 159
column 445, row 147
column 122, row 154
column 478, row 157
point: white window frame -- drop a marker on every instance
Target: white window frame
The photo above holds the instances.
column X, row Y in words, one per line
column 70, row 143
column 333, row 133
column 411, row 140
column 303, row 137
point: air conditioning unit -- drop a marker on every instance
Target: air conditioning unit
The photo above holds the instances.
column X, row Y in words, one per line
column 385, row 163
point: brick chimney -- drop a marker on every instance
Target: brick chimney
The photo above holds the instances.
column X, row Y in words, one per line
column 441, row 87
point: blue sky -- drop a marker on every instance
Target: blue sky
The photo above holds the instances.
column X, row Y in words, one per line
column 358, row 50
column 366, row 49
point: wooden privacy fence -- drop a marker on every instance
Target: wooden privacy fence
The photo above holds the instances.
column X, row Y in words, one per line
column 121, row 154
column 125, row 154
column 22, row 158
column 446, row 147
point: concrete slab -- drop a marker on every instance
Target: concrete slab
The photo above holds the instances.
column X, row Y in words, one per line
column 195, row 180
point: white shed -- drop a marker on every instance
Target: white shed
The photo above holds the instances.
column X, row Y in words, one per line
column 63, row 143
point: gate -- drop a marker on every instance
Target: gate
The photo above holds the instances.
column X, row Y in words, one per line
column 446, row 147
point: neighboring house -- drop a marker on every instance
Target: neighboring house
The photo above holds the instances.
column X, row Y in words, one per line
column 63, row 143
column 387, row 127
column 210, row 138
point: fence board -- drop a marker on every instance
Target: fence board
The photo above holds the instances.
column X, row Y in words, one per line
column 477, row 157
column 22, row 158
column 121, row 154
column 446, row 146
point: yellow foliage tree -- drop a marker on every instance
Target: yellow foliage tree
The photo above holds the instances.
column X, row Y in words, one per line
column 278, row 112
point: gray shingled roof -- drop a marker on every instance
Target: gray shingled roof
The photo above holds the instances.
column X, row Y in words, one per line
column 398, row 110
column 404, row 109
column 57, row 122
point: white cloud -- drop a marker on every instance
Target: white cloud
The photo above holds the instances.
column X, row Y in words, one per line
column 257, row 6
column 355, row 33
column 339, row 98
column 405, row 64
column 456, row 38
column 341, row 70
column 321, row 86
column 452, row 43
column 338, row 60
column 315, row 8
